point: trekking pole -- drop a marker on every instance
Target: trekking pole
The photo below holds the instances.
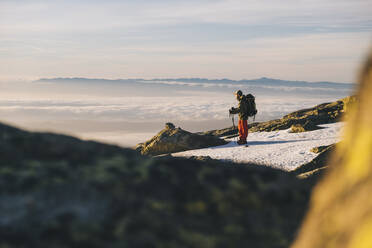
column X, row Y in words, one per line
column 233, row 122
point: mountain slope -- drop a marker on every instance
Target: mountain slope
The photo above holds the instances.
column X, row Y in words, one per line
column 59, row 191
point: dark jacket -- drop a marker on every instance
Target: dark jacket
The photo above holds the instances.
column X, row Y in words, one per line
column 242, row 108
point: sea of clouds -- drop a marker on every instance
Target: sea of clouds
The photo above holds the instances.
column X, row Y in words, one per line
column 127, row 112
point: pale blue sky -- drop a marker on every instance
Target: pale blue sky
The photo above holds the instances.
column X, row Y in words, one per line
column 315, row 40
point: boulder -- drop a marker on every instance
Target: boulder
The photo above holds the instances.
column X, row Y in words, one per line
column 307, row 126
column 172, row 139
column 297, row 128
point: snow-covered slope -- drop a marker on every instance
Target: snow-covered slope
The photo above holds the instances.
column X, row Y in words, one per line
column 279, row 149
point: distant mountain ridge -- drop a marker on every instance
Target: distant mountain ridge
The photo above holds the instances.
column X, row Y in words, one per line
column 260, row 81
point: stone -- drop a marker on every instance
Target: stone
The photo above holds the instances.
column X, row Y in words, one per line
column 307, row 126
column 172, row 139
column 321, row 149
column 169, row 125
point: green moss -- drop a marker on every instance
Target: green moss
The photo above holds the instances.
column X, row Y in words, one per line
column 195, row 239
column 198, row 207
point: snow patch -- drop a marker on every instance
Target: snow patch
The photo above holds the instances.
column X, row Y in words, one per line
column 279, row 149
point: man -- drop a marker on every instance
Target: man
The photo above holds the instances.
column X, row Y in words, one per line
column 242, row 110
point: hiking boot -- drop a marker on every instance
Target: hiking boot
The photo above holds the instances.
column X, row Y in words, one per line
column 241, row 142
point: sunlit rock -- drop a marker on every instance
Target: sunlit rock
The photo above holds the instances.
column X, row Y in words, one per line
column 172, row 139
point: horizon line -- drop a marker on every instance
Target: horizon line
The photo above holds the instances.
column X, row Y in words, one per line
column 191, row 78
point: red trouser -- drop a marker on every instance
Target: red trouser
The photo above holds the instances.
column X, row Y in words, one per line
column 243, row 129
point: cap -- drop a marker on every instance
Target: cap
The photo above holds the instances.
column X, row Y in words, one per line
column 238, row 93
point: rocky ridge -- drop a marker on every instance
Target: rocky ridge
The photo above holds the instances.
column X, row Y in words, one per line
column 298, row 121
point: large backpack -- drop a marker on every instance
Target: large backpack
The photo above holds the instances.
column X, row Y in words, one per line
column 251, row 104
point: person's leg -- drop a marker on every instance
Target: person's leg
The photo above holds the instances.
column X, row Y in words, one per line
column 241, row 129
column 245, row 130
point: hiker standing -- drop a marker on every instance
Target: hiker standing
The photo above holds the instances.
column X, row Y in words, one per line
column 242, row 110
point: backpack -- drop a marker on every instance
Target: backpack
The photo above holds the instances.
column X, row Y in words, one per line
column 251, row 104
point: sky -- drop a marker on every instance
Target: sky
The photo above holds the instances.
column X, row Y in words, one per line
column 317, row 40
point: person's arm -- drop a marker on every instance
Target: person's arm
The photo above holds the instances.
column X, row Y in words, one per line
column 234, row 110
column 237, row 110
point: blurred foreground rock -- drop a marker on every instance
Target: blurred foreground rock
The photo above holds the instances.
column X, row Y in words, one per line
column 59, row 191
column 341, row 207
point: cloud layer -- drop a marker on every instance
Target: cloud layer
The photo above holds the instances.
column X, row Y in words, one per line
column 151, row 101
column 300, row 40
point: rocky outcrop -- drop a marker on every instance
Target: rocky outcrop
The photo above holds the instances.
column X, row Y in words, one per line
column 307, row 126
column 320, row 149
column 59, row 191
column 316, row 166
column 302, row 120
column 172, row 139
column 340, row 214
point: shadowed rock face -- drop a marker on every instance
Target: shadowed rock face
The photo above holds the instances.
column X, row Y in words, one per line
column 341, row 211
column 301, row 121
column 321, row 149
column 315, row 168
column 172, row 139
column 59, row 191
